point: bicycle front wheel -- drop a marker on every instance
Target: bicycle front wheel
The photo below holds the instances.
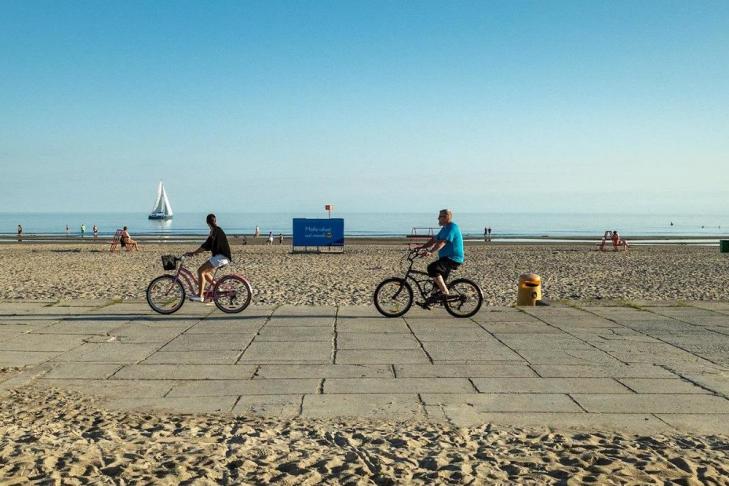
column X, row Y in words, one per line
column 465, row 298
column 393, row 297
column 165, row 294
column 232, row 294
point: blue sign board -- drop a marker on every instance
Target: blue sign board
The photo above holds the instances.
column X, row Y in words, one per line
column 318, row 232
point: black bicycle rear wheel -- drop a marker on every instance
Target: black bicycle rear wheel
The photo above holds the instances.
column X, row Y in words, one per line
column 465, row 298
column 165, row 294
column 393, row 297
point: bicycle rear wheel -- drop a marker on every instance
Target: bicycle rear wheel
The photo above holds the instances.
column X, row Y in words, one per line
column 465, row 298
column 393, row 297
column 165, row 294
column 232, row 294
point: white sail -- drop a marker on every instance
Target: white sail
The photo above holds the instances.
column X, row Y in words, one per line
column 167, row 207
column 162, row 208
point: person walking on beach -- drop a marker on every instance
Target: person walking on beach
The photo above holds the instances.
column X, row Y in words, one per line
column 280, row 238
column 270, row 238
column 449, row 245
column 95, row 230
column 67, row 230
column 258, row 232
column 83, row 230
column 20, row 233
column 217, row 245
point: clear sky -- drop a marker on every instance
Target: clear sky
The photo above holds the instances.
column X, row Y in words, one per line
column 371, row 105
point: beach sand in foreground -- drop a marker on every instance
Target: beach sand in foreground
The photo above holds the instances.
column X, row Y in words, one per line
column 569, row 272
column 51, row 436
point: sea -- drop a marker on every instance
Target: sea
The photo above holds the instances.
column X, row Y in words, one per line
column 503, row 225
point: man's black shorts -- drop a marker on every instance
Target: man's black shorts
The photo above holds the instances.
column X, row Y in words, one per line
column 442, row 267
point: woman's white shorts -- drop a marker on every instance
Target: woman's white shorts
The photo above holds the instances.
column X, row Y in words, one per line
column 218, row 261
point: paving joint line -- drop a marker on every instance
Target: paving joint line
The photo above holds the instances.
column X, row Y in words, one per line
column 576, row 402
column 430, row 358
column 470, row 380
column 335, row 338
column 579, row 338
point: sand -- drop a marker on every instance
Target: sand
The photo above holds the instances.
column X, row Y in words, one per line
column 569, row 272
column 48, row 436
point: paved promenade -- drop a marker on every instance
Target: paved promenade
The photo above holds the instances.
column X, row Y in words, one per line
column 649, row 368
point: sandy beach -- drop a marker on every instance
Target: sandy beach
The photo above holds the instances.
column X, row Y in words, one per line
column 51, row 436
column 569, row 272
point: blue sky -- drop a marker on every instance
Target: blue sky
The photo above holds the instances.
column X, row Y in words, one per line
column 374, row 106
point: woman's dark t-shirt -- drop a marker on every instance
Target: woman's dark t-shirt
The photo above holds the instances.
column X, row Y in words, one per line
column 217, row 243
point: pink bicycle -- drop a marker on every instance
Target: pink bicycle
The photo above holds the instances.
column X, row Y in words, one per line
column 165, row 294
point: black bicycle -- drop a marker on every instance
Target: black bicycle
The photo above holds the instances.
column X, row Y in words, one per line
column 394, row 296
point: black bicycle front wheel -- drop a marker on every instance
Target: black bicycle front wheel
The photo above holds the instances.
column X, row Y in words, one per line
column 232, row 294
column 165, row 294
column 393, row 297
column 465, row 298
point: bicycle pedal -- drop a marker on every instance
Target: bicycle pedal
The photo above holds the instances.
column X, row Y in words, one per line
column 424, row 305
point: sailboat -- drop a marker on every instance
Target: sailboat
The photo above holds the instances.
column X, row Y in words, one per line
column 162, row 208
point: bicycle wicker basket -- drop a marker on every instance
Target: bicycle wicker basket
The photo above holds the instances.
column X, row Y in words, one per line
column 169, row 262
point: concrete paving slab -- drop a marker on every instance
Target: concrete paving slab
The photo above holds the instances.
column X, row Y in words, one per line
column 269, row 405
column 376, row 325
column 391, row 407
column 344, row 312
column 142, row 333
column 704, row 424
column 381, row 356
column 113, row 352
column 520, row 328
column 642, row 352
column 397, row 385
column 185, row 372
column 376, row 341
column 659, row 385
column 568, row 357
column 43, row 342
column 114, row 388
column 315, row 311
column 441, row 323
column 638, row 370
column 631, row 423
column 549, row 385
column 463, row 370
column 209, row 342
column 478, row 351
column 453, row 334
column 184, row 405
column 297, row 334
column 563, row 341
column 324, row 371
column 211, row 357
column 83, row 328
column 494, row 315
column 651, row 403
column 287, row 352
column 82, row 371
column 18, row 308
column 719, row 383
column 300, row 322
column 505, row 402
column 212, row 388
column 14, row 359
column 228, row 326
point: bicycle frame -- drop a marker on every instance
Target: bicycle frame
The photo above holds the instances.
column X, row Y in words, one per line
column 190, row 282
column 411, row 274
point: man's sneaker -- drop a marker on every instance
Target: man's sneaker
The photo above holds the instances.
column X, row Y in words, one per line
column 196, row 298
column 435, row 298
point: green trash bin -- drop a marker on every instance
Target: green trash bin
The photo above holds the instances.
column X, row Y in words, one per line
column 724, row 246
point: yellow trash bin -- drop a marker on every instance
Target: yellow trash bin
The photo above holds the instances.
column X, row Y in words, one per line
column 530, row 289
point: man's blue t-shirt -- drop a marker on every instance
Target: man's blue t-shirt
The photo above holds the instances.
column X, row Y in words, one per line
column 453, row 248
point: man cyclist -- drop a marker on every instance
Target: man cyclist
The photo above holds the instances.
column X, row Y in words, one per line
column 449, row 245
column 217, row 244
